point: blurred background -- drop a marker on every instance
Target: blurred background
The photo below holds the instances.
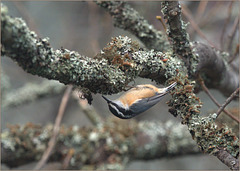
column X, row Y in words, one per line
column 86, row 28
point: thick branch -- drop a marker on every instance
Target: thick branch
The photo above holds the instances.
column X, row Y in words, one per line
column 124, row 60
column 30, row 92
column 115, row 141
column 130, row 20
column 37, row 57
column 178, row 35
column 228, row 160
column 102, row 76
column 209, row 62
column 98, row 75
column 218, row 74
column 208, row 57
column 184, row 103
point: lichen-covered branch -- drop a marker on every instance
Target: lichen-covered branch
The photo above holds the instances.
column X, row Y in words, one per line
column 114, row 142
column 30, row 92
column 111, row 70
column 204, row 130
column 130, row 20
column 116, row 65
column 5, row 84
column 176, row 30
column 198, row 57
column 209, row 137
column 98, row 75
column 210, row 62
column 37, row 57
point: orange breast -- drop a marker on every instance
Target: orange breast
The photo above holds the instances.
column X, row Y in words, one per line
column 137, row 93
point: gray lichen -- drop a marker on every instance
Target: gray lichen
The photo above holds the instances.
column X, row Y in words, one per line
column 37, row 57
column 30, row 92
column 116, row 65
column 129, row 19
column 116, row 142
column 178, row 35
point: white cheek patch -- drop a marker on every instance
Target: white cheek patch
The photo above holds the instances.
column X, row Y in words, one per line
column 116, row 110
column 120, row 104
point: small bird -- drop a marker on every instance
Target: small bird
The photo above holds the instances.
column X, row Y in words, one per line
column 137, row 100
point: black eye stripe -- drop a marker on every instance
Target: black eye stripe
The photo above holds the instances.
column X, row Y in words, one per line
column 120, row 112
column 116, row 109
column 120, row 109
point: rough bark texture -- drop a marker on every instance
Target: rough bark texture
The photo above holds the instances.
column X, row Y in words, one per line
column 114, row 142
column 129, row 19
column 120, row 62
column 215, row 69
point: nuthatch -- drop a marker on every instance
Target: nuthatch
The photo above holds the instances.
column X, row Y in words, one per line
column 137, row 100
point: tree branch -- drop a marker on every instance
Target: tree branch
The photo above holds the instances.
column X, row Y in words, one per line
column 214, row 100
column 215, row 70
column 233, row 95
column 56, row 129
column 101, row 75
column 104, row 75
column 200, row 58
column 178, row 35
column 184, row 103
column 37, row 57
column 88, row 110
column 30, row 92
column 129, row 19
column 114, row 142
column 228, row 159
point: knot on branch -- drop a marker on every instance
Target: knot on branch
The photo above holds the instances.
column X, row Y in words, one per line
column 119, row 52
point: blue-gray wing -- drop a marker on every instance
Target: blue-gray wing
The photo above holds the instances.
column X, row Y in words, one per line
column 146, row 103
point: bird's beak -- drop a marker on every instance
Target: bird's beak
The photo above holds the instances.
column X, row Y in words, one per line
column 171, row 86
column 108, row 101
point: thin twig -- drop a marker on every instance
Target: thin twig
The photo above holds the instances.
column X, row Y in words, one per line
column 25, row 13
column 225, row 24
column 234, row 55
column 201, row 9
column 214, row 100
column 188, row 15
column 93, row 20
column 211, row 13
column 88, row 110
column 56, row 128
column 232, row 33
column 234, row 94
column 161, row 20
column 67, row 158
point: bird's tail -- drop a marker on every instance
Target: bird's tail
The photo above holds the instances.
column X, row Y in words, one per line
column 171, row 86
